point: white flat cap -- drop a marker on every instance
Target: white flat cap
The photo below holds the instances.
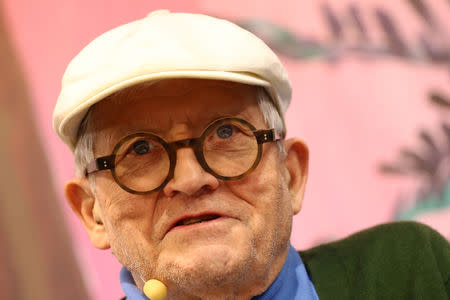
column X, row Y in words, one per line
column 161, row 46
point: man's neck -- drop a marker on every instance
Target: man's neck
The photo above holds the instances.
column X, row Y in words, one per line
column 251, row 284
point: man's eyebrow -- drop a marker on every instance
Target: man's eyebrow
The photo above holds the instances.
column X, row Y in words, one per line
column 114, row 139
column 130, row 131
column 239, row 114
column 218, row 116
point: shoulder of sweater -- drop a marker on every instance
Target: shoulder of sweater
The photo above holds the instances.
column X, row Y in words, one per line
column 396, row 234
column 385, row 253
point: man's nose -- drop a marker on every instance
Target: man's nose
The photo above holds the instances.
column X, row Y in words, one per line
column 189, row 177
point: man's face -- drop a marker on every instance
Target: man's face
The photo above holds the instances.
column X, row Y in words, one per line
column 246, row 246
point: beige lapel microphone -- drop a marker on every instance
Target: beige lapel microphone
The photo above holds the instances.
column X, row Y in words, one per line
column 155, row 290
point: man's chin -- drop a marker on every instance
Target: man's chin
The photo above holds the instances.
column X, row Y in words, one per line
column 208, row 266
column 214, row 256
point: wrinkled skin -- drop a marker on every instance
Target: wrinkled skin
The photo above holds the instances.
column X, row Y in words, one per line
column 236, row 256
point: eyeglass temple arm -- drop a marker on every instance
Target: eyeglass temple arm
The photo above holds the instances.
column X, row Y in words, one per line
column 267, row 135
column 101, row 163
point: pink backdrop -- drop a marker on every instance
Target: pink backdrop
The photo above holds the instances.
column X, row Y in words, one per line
column 356, row 110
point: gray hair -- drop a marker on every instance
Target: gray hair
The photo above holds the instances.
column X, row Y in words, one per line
column 84, row 149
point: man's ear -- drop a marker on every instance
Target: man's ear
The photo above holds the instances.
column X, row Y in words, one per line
column 83, row 202
column 296, row 163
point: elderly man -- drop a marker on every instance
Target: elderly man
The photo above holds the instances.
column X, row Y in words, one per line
column 176, row 124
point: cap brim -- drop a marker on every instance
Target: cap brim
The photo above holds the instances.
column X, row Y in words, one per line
column 69, row 125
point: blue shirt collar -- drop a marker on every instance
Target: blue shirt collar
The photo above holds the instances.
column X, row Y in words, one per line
column 293, row 282
column 129, row 286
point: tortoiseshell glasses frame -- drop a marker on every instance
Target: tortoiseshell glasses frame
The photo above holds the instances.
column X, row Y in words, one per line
column 109, row 162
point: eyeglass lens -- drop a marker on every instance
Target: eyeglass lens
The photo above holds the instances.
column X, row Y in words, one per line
column 229, row 149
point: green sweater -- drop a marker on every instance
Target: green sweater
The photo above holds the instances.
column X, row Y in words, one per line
column 404, row 260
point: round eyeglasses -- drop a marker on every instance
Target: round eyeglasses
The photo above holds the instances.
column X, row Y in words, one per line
column 141, row 163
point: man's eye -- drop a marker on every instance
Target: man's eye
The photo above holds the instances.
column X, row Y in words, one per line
column 225, row 131
column 141, row 147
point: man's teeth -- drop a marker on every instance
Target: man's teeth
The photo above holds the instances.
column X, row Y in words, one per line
column 194, row 220
column 191, row 221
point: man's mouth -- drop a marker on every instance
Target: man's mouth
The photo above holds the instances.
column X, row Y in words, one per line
column 195, row 220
